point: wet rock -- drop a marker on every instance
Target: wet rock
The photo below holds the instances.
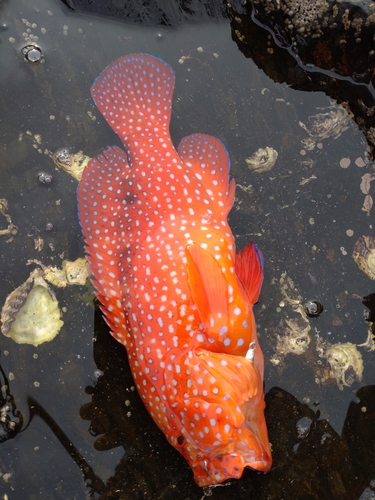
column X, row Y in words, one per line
column 315, row 45
column 159, row 13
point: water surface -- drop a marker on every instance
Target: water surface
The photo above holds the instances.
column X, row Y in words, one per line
column 322, row 437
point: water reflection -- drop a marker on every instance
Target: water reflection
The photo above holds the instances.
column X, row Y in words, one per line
column 311, row 460
column 305, row 214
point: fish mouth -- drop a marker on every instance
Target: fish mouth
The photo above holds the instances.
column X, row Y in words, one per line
column 248, row 448
column 228, row 466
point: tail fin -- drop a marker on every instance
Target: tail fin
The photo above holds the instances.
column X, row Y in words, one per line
column 134, row 94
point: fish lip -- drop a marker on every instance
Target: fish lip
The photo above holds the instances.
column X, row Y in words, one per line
column 225, row 466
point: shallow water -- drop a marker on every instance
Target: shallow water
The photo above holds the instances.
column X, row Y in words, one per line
column 322, row 437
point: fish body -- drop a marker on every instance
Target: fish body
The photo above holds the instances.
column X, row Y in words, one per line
column 171, row 287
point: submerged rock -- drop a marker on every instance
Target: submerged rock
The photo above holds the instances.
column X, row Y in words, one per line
column 315, row 45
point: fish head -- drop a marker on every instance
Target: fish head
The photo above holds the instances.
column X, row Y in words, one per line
column 217, row 416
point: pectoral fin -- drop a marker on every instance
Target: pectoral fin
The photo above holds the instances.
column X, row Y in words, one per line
column 208, row 286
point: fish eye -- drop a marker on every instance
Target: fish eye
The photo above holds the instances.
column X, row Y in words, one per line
column 180, row 439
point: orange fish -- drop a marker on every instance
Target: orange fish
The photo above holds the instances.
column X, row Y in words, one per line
column 171, row 287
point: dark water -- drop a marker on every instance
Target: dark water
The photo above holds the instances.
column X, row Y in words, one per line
column 85, row 437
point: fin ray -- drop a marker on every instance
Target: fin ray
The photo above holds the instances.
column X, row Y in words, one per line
column 207, row 284
column 134, row 93
column 208, row 159
column 100, row 219
column 249, row 269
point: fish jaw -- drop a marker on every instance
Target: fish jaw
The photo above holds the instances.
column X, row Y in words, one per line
column 218, row 414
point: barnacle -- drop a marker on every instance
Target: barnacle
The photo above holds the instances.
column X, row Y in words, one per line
column 345, row 362
column 262, row 160
column 72, row 273
column 292, row 333
column 73, row 163
column 11, row 230
column 332, row 123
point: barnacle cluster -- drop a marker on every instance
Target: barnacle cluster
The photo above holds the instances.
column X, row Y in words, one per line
column 364, row 255
column 330, row 123
column 11, row 230
column 292, row 333
column 73, row 163
column 345, row 362
column 304, row 16
column 309, row 18
column 71, row 273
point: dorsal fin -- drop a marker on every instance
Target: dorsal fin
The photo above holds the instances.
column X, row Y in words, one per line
column 100, row 214
column 208, row 160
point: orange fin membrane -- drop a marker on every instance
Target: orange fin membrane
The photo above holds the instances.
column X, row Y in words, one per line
column 134, row 94
column 249, row 269
column 208, row 287
column 208, row 159
column 100, row 215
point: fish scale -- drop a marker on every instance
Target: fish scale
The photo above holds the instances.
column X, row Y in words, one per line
column 164, row 267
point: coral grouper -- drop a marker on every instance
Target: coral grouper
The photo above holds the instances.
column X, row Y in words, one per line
column 171, row 286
